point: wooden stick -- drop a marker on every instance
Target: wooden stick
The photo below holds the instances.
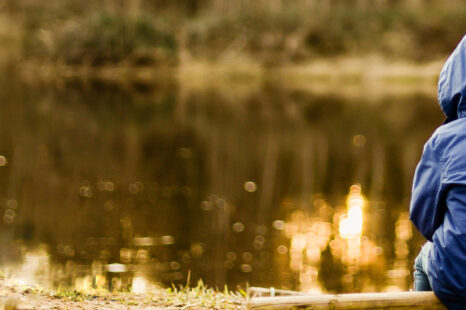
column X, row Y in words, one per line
column 261, row 291
column 407, row 300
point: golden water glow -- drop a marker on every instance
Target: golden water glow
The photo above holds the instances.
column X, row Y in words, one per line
column 3, row 161
column 83, row 284
column 309, row 236
column 399, row 274
column 139, row 285
column 359, row 140
column 351, row 223
column 238, row 227
column 343, row 233
column 250, row 186
column 340, row 236
column 35, row 268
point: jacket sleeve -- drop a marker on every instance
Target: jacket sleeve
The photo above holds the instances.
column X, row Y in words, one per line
column 425, row 210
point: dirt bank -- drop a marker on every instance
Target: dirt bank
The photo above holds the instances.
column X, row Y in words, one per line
column 14, row 295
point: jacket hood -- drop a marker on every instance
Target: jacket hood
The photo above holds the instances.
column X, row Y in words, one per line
column 452, row 84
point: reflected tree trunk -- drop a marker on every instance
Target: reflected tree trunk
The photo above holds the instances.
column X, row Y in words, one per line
column 307, row 170
column 378, row 171
column 268, row 179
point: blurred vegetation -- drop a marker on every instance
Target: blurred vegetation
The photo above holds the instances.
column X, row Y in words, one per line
column 104, row 38
column 160, row 32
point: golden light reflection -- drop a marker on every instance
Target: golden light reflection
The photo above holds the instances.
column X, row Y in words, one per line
column 339, row 235
column 83, row 284
column 359, row 140
column 142, row 256
column 400, row 272
column 250, row 186
column 238, row 227
column 282, row 249
column 403, row 227
column 12, row 203
column 109, row 186
column 278, row 224
column 339, row 232
column 35, row 268
column 197, row 249
column 85, row 191
column 136, row 187
column 116, row 268
column 351, row 223
column 174, row 265
column 143, row 241
column 3, row 161
column 9, row 216
column 125, row 255
column 139, row 285
column 246, row 268
column 309, row 236
column 247, row 256
column 167, row 240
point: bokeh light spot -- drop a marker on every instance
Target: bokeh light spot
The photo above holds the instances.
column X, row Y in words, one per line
column 238, row 227
column 3, row 161
column 231, row 255
column 282, row 249
column 250, row 186
column 167, row 240
column 174, row 265
column 278, row 225
column 109, row 186
column 247, row 256
column 206, row 205
column 359, row 140
column 85, row 191
column 139, row 285
column 12, row 203
column 197, row 249
column 246, row 268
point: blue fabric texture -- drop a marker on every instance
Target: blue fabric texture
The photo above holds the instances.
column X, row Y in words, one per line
column 421, row 271
column 438, row 202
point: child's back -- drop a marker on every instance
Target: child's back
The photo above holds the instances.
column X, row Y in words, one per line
column 438, row 203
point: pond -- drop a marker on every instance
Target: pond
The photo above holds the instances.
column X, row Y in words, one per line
column 121, row 186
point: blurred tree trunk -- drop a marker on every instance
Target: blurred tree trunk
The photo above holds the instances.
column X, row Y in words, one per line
column 268, row 178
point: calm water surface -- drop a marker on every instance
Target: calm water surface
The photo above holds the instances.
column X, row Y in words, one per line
column 118, row 187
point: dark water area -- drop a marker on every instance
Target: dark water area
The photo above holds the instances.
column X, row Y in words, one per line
column 102, row 184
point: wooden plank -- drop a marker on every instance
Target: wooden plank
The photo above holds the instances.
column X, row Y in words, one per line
column 395, row 300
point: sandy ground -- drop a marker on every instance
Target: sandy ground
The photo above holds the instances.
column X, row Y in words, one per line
column 16, row 296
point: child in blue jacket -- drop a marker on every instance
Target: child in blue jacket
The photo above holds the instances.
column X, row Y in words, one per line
column 438, row 203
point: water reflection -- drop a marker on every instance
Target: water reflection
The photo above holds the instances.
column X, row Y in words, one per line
column 310, row 241
column 350, row 223
column 3, row 161
column 129, row 189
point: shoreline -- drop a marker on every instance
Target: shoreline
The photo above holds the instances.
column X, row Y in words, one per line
column 365, row 69
column 363, row 77
column 16, row 296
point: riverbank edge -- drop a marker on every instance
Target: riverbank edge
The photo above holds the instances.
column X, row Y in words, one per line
column 16, row 296
column 365, row 69
column 369, row 78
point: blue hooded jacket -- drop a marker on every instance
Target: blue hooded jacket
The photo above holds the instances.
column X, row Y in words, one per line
column 438, row 203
